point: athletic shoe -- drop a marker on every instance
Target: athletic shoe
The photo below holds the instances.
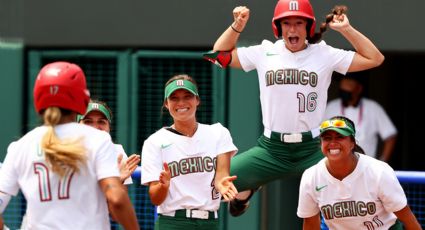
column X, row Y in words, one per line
column 238, row 207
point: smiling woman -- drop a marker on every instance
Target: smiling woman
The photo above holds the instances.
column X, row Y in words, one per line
column 350, row 189
column 187, row 164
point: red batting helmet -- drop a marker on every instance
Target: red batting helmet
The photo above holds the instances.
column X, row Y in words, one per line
column 287, row 8
column 61, row 84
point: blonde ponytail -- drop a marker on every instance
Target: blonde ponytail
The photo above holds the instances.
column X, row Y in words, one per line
column 60, row 153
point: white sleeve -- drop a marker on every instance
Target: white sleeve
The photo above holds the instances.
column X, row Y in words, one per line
column 248, row 57
column 307, row 204
column 386, row 127
column 390, row 191
column 8, row 173
column 106, row 158
column 225, row 142
column 151, row 162
column 341, row 59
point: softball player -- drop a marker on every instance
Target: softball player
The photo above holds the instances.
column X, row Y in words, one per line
column 66, row 171
column 294, row 75
column 99, row 116
column 187, row 164
column 351, row 190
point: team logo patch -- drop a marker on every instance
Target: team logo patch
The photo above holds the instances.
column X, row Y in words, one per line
column 293, row 5
column 180, row 83
column 318, row 188
column 268, row 54
column 165, row 146
column 53, row 72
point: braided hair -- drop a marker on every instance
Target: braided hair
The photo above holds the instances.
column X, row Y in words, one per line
column 337, row 10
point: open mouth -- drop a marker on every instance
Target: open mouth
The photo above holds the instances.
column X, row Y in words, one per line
column 293, row 40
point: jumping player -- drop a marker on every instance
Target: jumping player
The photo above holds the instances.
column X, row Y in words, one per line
column 66, row 171
column 350, row 189
column 99, row 116
column 187, row 164
column 294, row 75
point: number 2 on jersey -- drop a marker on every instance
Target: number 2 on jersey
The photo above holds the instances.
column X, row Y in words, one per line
column 44, row 187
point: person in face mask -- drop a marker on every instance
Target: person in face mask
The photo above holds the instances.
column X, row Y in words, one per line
column 371, row 119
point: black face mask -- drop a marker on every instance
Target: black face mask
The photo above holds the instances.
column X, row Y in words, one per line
column 345, row 96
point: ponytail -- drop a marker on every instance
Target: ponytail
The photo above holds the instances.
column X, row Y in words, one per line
column 61, row 153
column 337, row 10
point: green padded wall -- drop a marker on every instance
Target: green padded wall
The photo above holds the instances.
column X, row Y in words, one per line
column 11, row 88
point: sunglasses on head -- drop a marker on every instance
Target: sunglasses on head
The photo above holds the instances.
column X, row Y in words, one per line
column 337, row 123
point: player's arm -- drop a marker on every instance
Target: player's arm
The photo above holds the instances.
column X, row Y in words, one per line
column 367, row 54
column 228, row 40
column 312, row 223
column 409, row 220
column 119, row 203
column 223, row 182
column 1, row 223
column 158, row 190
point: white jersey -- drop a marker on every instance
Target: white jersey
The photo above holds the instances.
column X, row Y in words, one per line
column 120, row 150
column 370, row 119
column 73, row 202
column 293, row 86
column 365, row 199
column 192, row 162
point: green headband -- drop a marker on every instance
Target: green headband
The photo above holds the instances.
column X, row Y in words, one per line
column 96, row 107
column 180, row 84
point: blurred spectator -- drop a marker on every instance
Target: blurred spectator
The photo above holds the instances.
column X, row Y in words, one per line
column 372, row 122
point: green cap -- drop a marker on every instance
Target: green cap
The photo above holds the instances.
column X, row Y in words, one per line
column 96, row 107
column 338, row 125
column 180, row 84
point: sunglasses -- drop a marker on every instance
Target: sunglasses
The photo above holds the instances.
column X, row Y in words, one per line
column 337, row 123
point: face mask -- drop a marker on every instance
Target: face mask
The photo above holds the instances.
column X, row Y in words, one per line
column 345, row 97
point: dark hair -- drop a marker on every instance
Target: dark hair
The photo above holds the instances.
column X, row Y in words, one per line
column 337, row 10
column 359, row 77
column 357, row 148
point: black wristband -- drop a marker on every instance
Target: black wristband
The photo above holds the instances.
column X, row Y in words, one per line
column 233, row 28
